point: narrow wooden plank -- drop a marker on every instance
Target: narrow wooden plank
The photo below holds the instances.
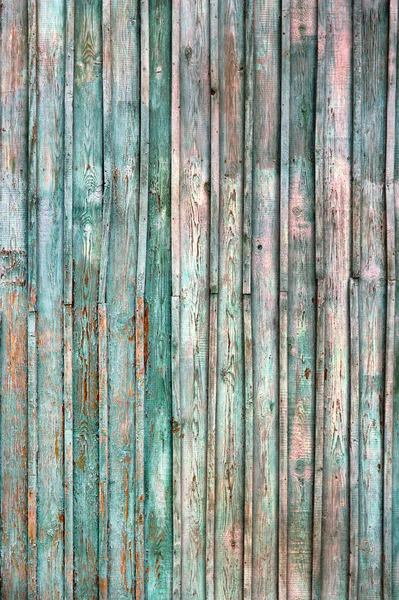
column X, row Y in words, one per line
column 140, row 301
column 32, row 455
column 211, row 449
column 283, row 451
column 158, row 404
column 68, row 147
column 354, row 456
column 32, row 153
column 265, row 293
column 175, row 134
column 107, row 146
column 14, row 194
column 68, row 454
column 317, row 564
column 319, row 136
column 249, row 448
column 177, row 447
column 337, row 264
column 195, row 165
column 302, row 297
column 87, row 220
column 372, row 295
column 388, row 442
column 215, row 155
column 357, row 57
column 103, row 451
column 50, row 286
column 248, row 152
column 390, row 139
column 285, row 140
column 230, row 434
column 121, row 292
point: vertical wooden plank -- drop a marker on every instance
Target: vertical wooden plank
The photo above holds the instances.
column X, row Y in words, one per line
column 229, row 529
column 388, row 443
column 121, row 291
column 68, row 296
column 177, row 455
column 248, row 148
column 357, row 58
column 337, row 259
column 140, row 300
column 87, row 218
column 158, row 405
column 319, row 136
column 390, row 139
column 319, row 444
column 14, row 118
column 103, row 450
column 68, row 454
column 50, row 283
column 354, row 456
column 194, row 285
column 283, row 450
column 175, row 141
column 249, row 448
column 32, row 455
column 215, row 155
column 211, row 449
column 285, row 140
column 265, row 293
column 372, row 295
column 302, row 297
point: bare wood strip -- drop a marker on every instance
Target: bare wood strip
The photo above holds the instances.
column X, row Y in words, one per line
column 68, row 147
column 177, row 434
column 319, row 443
column 103, row 450
column 248, row 146
column 249, row 447
column 107, row 149
column 211, row 449
column 283, row 448
column 175, row 158
column 32, row 455
column 354, row 440
column 319, row 137
column 215, row 156
column 285, row 142
column 68, row 455
column 388, row 441
column 390, row 138
column 357, row 136
column 140, row 303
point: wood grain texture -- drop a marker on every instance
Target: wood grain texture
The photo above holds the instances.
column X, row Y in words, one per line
column 199, row 208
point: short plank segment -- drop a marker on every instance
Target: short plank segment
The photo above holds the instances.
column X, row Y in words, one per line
column 357, row 59
column 388, row 442
column 68, row 454
column 249, row 448
column 215, row 155
column 195, row 173
column 283, row 450
column 32, row 455
column 211, row 449
column 103, row 451
column 177, row 450
column 285, row 141
column 140, row 301
column 390, row 139
column 317, row 572
column 354, row 439
column 319, row 137
column 175, row 159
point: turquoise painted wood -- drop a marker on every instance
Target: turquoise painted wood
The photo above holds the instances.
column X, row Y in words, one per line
column 199, row 389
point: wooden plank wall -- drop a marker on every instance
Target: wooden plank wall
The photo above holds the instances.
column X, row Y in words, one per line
column 198, row 320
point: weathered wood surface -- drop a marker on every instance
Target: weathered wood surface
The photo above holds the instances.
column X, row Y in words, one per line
column 199, row 317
